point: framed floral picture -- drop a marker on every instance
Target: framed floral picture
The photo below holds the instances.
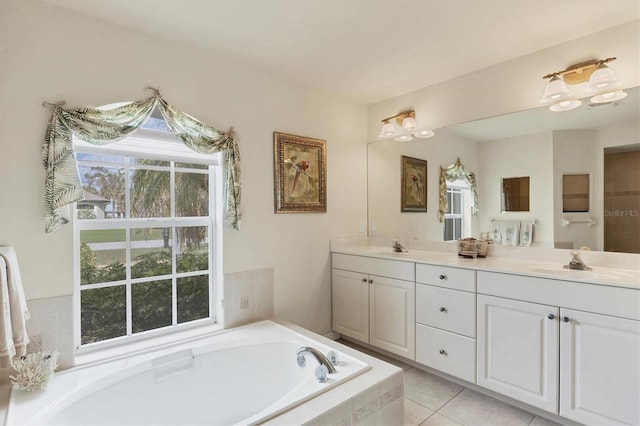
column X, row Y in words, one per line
column 300, row 168
column 413, row 189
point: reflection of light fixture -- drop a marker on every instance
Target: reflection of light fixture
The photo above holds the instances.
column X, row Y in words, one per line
column 406, row 130
column 601, row 81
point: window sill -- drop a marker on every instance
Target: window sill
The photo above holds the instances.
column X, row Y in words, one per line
column 88, row 356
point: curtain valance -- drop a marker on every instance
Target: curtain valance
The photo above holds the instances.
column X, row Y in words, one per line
column 451, row 174
column 62, row 181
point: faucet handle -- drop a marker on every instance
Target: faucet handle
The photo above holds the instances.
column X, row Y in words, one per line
column 333, row 357
column 322, row 374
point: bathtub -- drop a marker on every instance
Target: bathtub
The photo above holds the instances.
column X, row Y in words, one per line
column 244, row 376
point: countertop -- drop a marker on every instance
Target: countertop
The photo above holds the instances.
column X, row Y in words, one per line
column 629, row 278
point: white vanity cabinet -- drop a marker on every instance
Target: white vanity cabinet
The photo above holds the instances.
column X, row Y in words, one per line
column 446, row 319
column 570, row 348
column 373, row 301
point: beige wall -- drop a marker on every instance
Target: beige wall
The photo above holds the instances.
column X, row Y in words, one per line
column 51, row 54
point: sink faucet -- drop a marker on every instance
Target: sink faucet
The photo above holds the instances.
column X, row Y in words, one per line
column 576, row 262
column 397, row 247
column 323, row 360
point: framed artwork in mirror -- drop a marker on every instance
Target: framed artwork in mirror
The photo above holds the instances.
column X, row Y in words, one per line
column 515, row 194
column 413, row 185
column 300, row 168
column 575, row 193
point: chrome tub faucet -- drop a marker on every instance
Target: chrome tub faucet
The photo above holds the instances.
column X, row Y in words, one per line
column 319, row 356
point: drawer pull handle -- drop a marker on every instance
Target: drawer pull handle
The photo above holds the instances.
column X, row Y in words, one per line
column 370, row 281
column 565, row 319
column 443, row 277
column 364, row 280
column 551, row 316
column 443, row 352
column 443, row 309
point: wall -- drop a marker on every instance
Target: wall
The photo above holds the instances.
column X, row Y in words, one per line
column 530, row 155
column 50, row 54
column 574, row 152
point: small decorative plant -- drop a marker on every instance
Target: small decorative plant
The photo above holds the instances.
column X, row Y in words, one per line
column 34, row 370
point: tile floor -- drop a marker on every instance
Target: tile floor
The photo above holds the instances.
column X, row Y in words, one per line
column 433, row 401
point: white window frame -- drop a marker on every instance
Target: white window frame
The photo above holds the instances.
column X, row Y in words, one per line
column 155, row 145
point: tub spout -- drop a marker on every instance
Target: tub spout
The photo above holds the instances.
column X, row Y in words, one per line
column 323, row 360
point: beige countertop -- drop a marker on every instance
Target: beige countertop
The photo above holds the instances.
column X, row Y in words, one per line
column 629, row 278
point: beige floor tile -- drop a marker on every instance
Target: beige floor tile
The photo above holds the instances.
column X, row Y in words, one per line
column 541, row 421
column 473, row 408
column 428, row 390
column 439, row 420
column 414, row 413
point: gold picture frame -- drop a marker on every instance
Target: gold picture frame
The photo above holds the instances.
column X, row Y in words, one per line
column 300, row 169
column 413, row 189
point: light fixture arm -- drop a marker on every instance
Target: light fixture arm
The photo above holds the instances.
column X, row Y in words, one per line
column 579, row 73
column 400, row 116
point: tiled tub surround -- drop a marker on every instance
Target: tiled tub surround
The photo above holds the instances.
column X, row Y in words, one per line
column 515, row 327
column 364, row 390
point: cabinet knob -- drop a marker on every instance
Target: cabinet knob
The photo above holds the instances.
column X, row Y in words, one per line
column 364, row 280
column 443, row 352
column 443, row 309
column 443, row 277
column 565, row 319
column 370, row 281
column 551, row 316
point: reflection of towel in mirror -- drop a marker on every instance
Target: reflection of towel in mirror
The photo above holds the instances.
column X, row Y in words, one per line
column 510, row 231
column 496, row 234
column 13, row 305
column 526, row 232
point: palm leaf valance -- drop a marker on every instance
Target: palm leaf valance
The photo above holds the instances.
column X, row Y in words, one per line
column 62, row 181
column 451, row 174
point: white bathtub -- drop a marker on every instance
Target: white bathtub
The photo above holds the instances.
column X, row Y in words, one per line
column 240, row 376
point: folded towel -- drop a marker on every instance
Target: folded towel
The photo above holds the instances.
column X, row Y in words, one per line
column 510, row 231
column 526, row 232
column 13, row 309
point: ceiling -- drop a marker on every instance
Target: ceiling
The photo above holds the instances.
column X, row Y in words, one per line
column 366, row 50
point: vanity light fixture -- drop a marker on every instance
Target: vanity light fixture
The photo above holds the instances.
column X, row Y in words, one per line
column 406, row 128
column 602, row 82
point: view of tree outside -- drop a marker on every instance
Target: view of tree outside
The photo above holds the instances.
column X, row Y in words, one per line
column 166, row 265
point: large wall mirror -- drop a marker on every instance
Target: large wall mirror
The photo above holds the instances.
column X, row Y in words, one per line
column 539, row 144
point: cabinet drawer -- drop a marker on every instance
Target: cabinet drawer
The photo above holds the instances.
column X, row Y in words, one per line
column 450, row 310
column 370, row 265
column 447, row 352
column 445, row 276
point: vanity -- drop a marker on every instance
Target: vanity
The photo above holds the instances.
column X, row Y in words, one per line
column 563, row 341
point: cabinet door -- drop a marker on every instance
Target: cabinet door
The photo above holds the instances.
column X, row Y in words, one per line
column 599, row 368
column 392, row 315
column 350, row 303
column 518, row 350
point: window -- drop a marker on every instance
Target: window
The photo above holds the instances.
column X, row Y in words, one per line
column 457, row 217
column 147, row 237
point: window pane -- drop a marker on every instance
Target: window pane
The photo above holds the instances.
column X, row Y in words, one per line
column 150, row 252
column 448, row 211
column 103, row 313
column 458, row 228
column 102, row 256
column 192, row 166
column 104, row 195
column 109, row 158
column 192, row 194
column 456, row 208
column 145, row 162
column 448, row 229
column 150, row 193
column 193, row 298
column 156, row 123
column 193, row 253
column 150, row 305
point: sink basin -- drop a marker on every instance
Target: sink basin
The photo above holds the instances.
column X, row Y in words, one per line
column 595, row 274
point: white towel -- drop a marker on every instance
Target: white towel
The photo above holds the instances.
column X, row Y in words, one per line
column 13, row 306
column 526, row 232
column 510, row 231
